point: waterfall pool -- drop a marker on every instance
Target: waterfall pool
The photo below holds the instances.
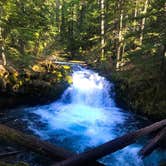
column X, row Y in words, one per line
column 87, row 116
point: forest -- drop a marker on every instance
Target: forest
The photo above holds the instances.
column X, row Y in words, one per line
column 122, row 40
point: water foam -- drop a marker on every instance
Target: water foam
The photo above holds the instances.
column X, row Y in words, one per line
column 85, row 117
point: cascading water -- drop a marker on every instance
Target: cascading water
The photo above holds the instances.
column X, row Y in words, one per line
column 87, row 116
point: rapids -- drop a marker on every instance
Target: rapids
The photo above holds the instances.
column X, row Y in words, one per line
column 87, row 116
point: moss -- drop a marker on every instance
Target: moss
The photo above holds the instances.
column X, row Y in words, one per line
column 43, row 81
column 139, row 84
column 141, row 87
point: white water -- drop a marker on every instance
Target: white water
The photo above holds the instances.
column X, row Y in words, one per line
column 87, row 116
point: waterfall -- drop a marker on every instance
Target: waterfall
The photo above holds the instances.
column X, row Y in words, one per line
column 84, row 117
column 88, row 88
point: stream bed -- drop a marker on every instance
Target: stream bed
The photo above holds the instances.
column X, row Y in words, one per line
column 84, row 117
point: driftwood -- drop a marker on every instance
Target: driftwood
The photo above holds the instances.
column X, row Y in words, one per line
column 8, row 154
column 111, row 146
column 36, row 145
column 154, row 142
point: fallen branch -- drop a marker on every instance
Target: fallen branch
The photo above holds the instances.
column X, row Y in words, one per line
column 34, row 144
column 154, row 142
column 110, row 147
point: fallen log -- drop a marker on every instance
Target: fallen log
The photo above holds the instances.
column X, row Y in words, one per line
column 30, row 142
column 111, row 146
column 36, row 145
column 154, row 142
column 8, row 154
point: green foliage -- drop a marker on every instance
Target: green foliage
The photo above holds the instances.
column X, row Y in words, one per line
column 34, row 29
column 27, row 26
column 140, row 85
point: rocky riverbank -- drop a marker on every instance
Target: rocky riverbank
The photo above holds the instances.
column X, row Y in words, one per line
column 41, row 83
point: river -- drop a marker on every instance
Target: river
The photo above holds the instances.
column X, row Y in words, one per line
column 86, row 116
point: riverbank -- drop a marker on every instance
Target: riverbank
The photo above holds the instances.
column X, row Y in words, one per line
column 40, row 83
column 139, row 85
column 85, row 120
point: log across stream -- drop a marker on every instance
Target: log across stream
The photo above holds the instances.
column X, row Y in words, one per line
column 86, row 116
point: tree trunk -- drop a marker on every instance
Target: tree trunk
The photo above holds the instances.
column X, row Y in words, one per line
column 163, row 57
column 143, row 21
column 146, row 150
column 111, row 146
column 119, row 56
column 3, row 56
column 123, row 48
column 32, row 143
column 57, row 14
column 71, row 31
column 135, row 15
column 82, row 15
column 4, row 62
column 62, row 26
column 102, row 8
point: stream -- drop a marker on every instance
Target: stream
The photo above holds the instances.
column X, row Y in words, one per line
column 86, row 116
